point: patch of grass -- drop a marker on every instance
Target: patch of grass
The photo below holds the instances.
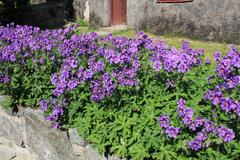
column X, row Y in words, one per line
column 129, row 33
column 82, row 23
column 5, row 101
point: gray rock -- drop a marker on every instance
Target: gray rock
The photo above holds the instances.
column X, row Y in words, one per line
column 20, row 111
column 31, row 138
column 12, row 128
column 115, row 158
column 47, row 143
column 93, row 154
column 9, row 150
column 25, row 154
column 75, row 138
column 7, row 153
column 78, row 144
column 78, row 150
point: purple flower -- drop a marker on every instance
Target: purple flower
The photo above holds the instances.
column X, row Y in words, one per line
column 99, row 66
column 73, row 62
column 232, row 82
column 172, row 59
column 57, row 111
column 195, row 145
column 5, row 79
column 164, row 121
column 59, row 90
column 133, row 48
column 87, row 74
column 65, row 74
column 73, row 83
column 44, row 105
column 182, row 68
column 172, row 132
column 217, row 97
column 186, row 114
column 227, row 104
column 52, row 58
column 209, row 95
column 189, row 112
column 217, row 56
column 98, row 92
column 208, row 61
column 55, row 125
column 192, row 126
column 199, row 122
column 54, row 79
column 170, row 83
column 208, row 125
column 41, row 60
column 226, row 134
column 12, row 58
column 201, row 136
column 187, row 120
column 80, row 72
column 157, row 66
column 181, row 103
column 108, row 84
column 237, row 109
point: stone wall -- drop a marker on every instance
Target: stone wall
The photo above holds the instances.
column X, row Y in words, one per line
column 99, row 13
column 206, row 19
column 81, row 9
column 27, row 136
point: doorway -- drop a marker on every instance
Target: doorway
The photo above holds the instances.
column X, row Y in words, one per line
column 118, row 12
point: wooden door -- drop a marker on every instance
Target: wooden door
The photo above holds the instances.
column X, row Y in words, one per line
column 118, row 11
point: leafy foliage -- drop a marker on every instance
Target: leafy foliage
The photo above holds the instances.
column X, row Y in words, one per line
column 116, row 105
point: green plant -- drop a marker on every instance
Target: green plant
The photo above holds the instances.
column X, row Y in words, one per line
column 114, row 89
column 82, row 23
column 5, row 101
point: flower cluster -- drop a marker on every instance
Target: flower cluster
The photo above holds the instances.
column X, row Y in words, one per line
column 21, row 43
column 228, row 77
column 171, row 131
column 85, row 61
column 215, row 96
column 103, row 63
column 202, row 126
column 172, row 59
column 4, row 79
column 56, row 107
column 228, row 68
column 100, row 63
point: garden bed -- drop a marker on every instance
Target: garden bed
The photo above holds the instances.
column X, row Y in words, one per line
column 132, row 97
